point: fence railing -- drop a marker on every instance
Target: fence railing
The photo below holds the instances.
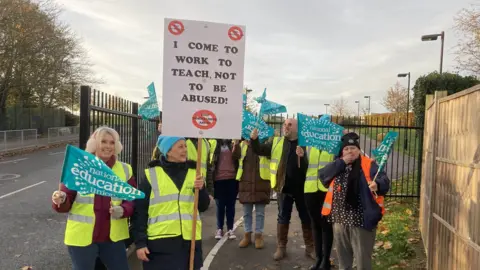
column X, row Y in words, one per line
column 63, row 134
column 449, row 205
column 404, row 163
column 16, row 139
column 138, row 136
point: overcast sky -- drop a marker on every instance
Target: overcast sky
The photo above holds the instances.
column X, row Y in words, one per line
column 306, row 54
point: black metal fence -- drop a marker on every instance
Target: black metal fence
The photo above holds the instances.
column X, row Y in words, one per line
column 405, row 161
column 138, row 136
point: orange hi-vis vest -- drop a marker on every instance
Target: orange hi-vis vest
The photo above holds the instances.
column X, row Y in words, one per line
column 366, row 164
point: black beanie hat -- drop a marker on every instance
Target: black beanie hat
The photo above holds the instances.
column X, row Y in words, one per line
column 351, row 138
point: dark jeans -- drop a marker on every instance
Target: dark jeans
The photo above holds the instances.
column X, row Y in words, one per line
column 322, row 229
column 225, row 192
column 112, row 254
column 285, row 206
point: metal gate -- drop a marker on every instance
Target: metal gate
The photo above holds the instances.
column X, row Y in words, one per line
column 138, row 136
column 404, row 166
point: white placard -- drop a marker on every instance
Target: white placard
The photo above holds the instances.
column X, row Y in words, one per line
column 203, row 66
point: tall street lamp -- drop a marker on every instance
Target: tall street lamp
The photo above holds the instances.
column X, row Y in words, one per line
column 432, row 37
column 358, row 110
column 403, row 75
column 326, row 107
column 369, row 112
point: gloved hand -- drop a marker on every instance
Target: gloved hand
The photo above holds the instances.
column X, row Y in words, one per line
column 116, row 211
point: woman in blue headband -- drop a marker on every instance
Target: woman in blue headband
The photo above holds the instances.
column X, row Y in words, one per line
column 162, row 222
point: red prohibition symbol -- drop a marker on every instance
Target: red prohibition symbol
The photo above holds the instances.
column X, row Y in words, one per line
column 235, row 33
column 204, row 119
column 176, row 28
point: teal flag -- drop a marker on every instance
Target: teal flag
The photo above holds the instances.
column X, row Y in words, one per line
column 244, row 101
column 381, row 153
column 149, row 109
column 269, row 107
column 319, row 133
column 250, row 122
column 86, row 174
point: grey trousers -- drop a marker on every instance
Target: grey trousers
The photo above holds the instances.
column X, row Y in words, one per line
column 353, row 242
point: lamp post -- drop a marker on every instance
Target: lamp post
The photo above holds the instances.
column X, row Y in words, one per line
column 326, row 107
column 358, row 110
column 368, row 104
column 73, row 94
column 403, row 75
column 432, row 37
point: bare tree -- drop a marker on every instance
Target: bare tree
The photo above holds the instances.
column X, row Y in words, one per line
column 39, row 56
column 467, row 25
column 396, row 99
column 340, row 108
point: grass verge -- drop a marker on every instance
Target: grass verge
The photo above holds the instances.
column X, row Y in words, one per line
column 398, row 243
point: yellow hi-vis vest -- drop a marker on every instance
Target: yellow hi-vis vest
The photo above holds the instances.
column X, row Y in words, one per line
column 81, row 218
column 213, row 146
column 170, row 213
column 316, row 160
column 264, row 164
column 276, row 156
column 192, row 154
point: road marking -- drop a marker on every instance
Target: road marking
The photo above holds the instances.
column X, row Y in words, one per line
column 13, row 161
column 22, row 189
column 8, row 176
column 56, row 153
column 211, row 255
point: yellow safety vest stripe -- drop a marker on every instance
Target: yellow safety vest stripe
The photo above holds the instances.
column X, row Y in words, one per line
column 263, row 164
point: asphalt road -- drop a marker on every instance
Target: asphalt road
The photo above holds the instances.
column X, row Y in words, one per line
column 31, row 232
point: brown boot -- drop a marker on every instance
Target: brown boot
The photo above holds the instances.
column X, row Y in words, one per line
column 246, row 240
column 308, row 238
column 282, row 239
column 259, row 241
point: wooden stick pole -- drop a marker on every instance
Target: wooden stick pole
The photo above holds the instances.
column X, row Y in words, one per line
column 195, row 204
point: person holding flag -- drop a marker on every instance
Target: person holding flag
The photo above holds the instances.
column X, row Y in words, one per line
column 98, row 225
column 354, row 202
column 253, row 176
column 287, row 178
column 315, row 193
column 162, row 222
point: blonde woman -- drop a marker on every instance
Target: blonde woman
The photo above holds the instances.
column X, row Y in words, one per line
column 97, row 225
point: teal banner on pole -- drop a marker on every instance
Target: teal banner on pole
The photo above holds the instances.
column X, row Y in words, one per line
column 86, row 174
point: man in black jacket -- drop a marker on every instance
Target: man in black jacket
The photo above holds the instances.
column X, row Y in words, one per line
column 288, row 181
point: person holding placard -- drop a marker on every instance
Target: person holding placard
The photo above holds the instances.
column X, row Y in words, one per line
column 254, row 190
column 98, row 225
column 354, row 202
column 287, row 178
column 162, row 222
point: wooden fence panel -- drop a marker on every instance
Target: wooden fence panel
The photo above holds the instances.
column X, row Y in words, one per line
column 450, row 206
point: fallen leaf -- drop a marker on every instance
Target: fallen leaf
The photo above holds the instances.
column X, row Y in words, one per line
column 378, row 244
column 413, row 240
column 27, row 268
column 387, row 245
column 17, row 255
column 385, row 232
column 409, row 212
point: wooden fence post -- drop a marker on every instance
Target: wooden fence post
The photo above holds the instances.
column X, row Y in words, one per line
column 433, row 173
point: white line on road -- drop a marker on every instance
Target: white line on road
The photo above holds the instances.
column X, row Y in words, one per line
column 22, row 189
column 211, row 255
column 56, row 153
column 13, row 161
